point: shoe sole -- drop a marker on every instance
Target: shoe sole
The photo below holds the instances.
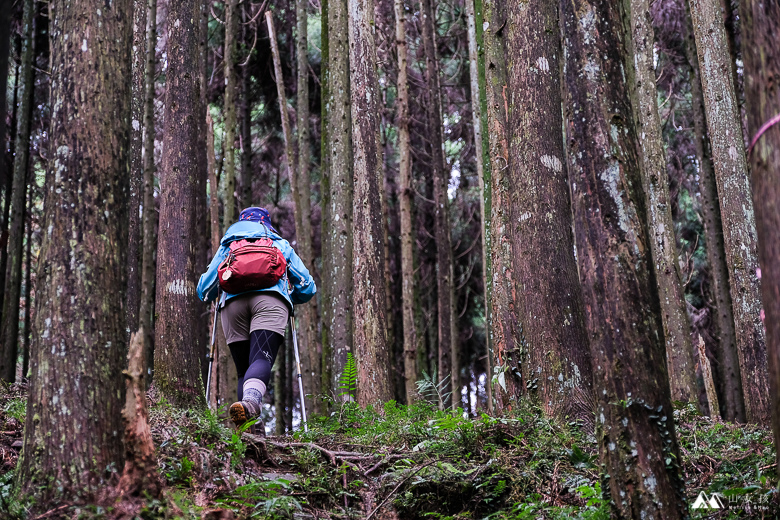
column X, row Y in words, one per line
column 238, row 414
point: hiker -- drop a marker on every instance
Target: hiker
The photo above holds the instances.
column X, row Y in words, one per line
column 261, row 278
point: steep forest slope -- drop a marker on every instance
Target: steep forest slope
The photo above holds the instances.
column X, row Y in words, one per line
column 401, row 463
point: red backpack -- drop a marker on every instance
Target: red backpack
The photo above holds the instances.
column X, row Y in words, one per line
column 250, row 265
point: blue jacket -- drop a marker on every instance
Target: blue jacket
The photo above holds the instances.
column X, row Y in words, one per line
column 296, row 287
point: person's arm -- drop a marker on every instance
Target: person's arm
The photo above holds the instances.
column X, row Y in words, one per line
column 302, row 282
column 208, row 286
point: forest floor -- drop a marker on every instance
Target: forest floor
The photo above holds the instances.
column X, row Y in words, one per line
column 400, row 463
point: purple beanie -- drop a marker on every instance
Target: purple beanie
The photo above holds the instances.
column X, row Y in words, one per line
column 258, row 215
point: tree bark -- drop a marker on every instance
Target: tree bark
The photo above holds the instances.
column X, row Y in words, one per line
column 231, row 19
column 760, row 26
column 477, row 70
column 444, row 270
column 9, row 331
column 326, row 257
column 312, row 361
column 8, row 184
column 729, row 377
column 369, row 324
column 655, row 182
column 552, row 356
column 736, row 206
column 79, row 342
column 139, row 475
column 505, row 326
column 634, row 415
column 134, row 247
column 410, row 341
column 28, row 303
column 338, row 277
column 150, row 217
column 5, row 51
column 178, row 343
column 246, row 123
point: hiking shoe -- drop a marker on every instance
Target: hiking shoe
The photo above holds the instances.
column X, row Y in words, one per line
column 244, row 411
column 258, row 428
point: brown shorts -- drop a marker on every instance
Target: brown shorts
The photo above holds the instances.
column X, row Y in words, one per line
column 253, row 311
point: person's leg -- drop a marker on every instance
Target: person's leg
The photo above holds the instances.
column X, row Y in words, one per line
column 236, row 316
column 264, row 345
column 239, row 350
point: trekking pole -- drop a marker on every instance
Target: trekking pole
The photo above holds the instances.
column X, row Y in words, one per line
column 210, row 355
column 298, row 366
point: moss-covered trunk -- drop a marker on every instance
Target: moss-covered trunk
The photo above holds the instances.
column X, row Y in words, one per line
column 310, row 346
column 149, row 216
column 73, row 427
column 368, row 271
column 337, row 273
column 135, row 241
column 634, row 417
column 477, row 117
column 655, row 182
column 505, row 328
column 729, row 378
column 760, row 26
column 405, row 195
column 736, row 205
column 179, row 343
column 554, row 360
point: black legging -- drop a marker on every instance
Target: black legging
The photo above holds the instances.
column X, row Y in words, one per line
column 254, row 358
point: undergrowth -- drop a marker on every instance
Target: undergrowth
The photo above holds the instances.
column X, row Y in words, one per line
column 408, row 462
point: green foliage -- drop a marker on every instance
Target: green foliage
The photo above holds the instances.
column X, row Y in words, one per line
column 180, row 472
column 10, row 503
column 16, row 408
column 348, row 378
column 433, row 390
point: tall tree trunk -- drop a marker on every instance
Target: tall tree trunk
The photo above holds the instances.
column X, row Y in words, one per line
column 178, row 342
column 229, row 158
column 760, row 27
column 150, row 217
column 410, row 340
column 325, row 307
column 736, row 206
column 309, row 319
column 476, row 115
column 28, row 308
column 338, row 278
column 5, row 51
column 76, row 388
column 729, row 377
column 655, row 182
column 202, row 243
column 9, row 331
column 505, row 327
column 134, row 247
column 634, row 412
column 246, row 122
column 435, row 144
column 369, row 326
column 552, row 357
column 477, row 71
column 6, row 161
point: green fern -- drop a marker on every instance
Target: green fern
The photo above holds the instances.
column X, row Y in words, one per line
column 348, row 378
column 433, row 390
